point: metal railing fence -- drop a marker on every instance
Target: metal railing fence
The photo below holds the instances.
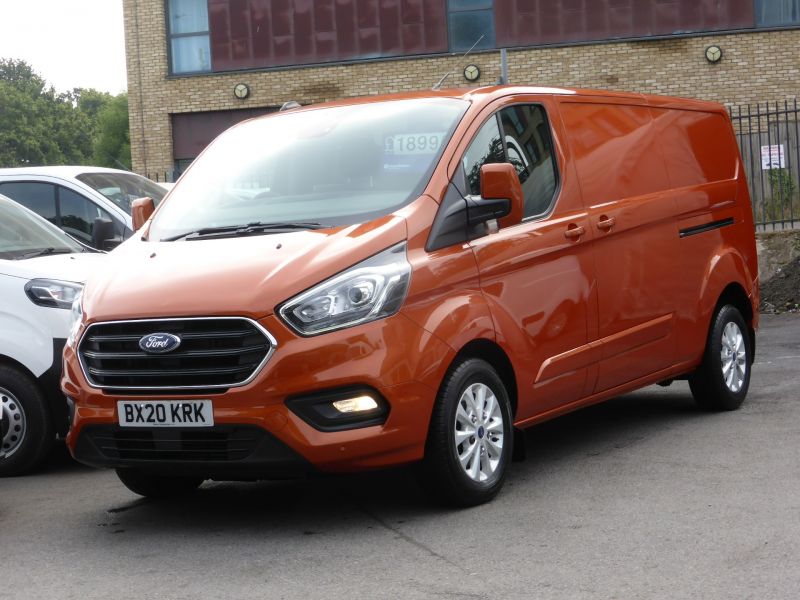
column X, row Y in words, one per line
column 162, row 177
column 769, row 140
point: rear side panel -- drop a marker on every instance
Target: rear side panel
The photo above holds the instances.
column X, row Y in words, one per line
column 715, row 228
column 632, row 216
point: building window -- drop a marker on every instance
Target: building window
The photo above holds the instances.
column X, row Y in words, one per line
column 188, row 36
column 467, row 21
column 775, row 13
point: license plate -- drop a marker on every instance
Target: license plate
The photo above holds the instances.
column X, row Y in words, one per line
column 165, row 413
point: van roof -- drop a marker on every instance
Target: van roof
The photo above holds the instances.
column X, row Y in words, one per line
column 486, row 94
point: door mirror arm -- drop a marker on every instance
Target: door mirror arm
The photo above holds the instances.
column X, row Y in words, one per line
column 481, row 210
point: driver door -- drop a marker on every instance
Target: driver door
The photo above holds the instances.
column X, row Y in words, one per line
column 538, row 275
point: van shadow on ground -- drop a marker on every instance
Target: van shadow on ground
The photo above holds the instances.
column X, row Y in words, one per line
column 323, row 501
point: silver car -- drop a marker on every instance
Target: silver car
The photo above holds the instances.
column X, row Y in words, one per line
column 74, row 198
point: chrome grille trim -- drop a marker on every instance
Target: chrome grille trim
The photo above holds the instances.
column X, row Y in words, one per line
column 86, row 337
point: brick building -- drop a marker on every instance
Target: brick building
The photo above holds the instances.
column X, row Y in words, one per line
column 187, row 59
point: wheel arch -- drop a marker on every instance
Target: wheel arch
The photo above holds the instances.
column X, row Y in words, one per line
column 493, row 354
column 11, row 362
column 727, row 281
column 735, row 295
column 55, row 405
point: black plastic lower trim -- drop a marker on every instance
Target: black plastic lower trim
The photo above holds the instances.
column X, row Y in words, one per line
column 223, row 452
column 50, row 382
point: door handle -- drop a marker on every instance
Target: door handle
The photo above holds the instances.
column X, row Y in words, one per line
column 574, row 231
column 605, row 223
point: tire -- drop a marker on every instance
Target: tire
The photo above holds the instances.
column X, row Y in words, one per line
column 26, row 430
column 461, row 408
column 157, row 486
column 722, row 379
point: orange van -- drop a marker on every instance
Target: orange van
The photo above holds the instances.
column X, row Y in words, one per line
column 414, row 278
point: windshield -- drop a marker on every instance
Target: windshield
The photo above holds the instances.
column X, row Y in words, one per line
column 331, row 166
column 24, row 234
column 123, row 188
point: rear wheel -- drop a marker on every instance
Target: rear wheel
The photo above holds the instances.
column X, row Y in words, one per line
column 722, row 380
column 470, row 438
column 156, row 485
column 26, row 430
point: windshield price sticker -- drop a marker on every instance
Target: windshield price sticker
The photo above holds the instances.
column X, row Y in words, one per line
column 413, row 143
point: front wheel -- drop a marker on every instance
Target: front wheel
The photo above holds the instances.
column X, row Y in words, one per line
column 156, row 485
column 722, row 379
column 470, row 437
column 26, row 430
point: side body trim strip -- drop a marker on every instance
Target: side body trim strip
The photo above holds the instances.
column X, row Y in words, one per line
column 706, row 227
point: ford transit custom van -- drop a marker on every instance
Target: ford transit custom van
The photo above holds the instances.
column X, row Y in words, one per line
column 413, row 279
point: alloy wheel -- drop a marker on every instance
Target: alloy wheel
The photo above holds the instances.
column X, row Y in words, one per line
column 478, row 433
column 733, row 357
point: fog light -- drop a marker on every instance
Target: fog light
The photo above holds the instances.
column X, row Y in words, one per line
column 359, row 404
column 341, row 409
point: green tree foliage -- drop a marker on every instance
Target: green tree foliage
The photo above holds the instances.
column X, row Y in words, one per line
column 39, row 126
column 90, row 101
column 112, row 144
column 21, row 75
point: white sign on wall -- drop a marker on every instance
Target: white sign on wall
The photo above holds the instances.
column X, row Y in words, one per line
column 773, row 157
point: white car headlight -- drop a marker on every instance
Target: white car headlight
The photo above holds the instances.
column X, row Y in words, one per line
column 76, row 318
column 52, row 292
column 372, row 289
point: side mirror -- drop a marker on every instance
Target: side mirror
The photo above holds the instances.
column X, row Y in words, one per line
column 103, row 233
column 500, row 181
column 141, row 210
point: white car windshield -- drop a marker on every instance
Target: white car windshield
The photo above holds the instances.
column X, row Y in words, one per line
column 322, row 167
column 24, row 234
column 123, row 188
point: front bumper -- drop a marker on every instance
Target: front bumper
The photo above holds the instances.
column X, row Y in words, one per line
column 394, row 356
column 221, row 452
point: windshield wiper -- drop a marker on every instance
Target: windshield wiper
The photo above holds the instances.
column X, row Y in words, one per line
column 44, row 252
column 237, row 230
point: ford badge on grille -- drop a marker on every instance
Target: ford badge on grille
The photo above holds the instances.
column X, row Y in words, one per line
column 159, row 343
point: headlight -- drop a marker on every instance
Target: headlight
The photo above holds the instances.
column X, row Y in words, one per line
column 52, row 293
column 372, row 289
column 76, row 317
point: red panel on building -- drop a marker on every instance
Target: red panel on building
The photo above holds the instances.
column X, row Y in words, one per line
column 271, row 33
column 534, row 22
column 192, row 132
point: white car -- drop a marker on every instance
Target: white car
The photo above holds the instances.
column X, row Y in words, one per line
column 42, row 271
column 73, row 197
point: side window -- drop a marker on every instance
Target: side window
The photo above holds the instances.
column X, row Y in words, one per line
column 486, row 148
column 78, row 214
column 38, row 197
column 530, row 149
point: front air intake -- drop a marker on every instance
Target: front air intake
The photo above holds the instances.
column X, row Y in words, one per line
column 213, row 352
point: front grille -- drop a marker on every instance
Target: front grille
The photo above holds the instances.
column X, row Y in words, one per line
column 213, row 353
column 220, row 443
